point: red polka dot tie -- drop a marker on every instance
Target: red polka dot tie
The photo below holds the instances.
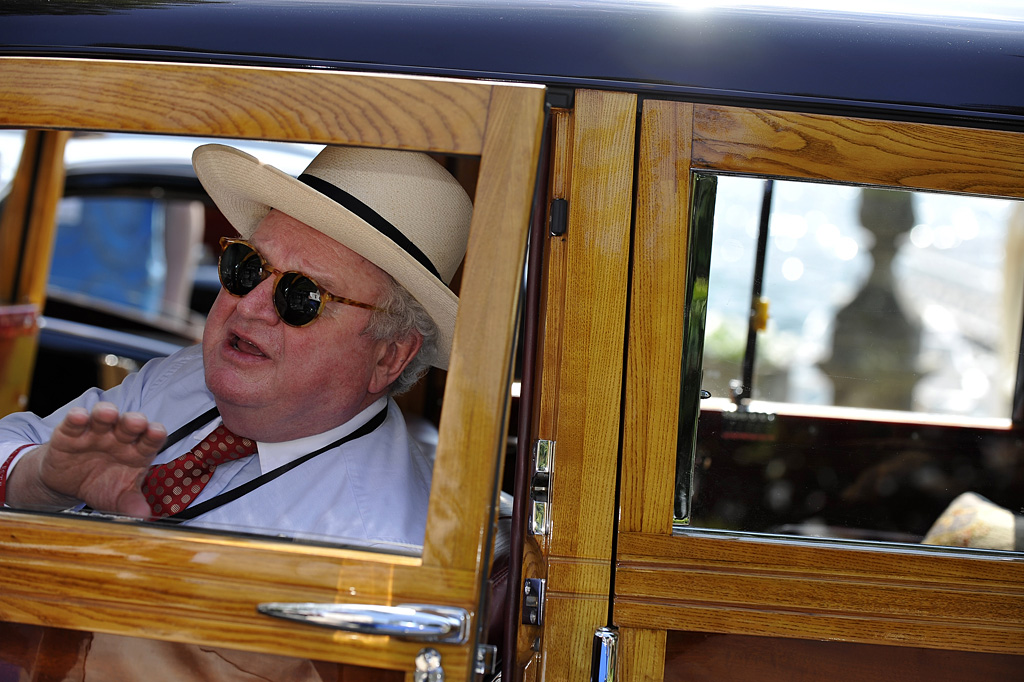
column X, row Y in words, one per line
column 172, row 486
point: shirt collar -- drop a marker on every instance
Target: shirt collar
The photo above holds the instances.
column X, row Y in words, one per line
column 273, row 455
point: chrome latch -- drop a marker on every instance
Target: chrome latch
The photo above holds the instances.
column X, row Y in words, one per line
column 540, row 486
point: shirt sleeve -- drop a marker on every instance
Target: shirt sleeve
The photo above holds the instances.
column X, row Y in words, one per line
column 133, row 394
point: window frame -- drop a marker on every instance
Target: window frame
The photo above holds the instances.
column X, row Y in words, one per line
column 203, row 588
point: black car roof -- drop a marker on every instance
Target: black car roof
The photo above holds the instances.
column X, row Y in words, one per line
column 895, row 63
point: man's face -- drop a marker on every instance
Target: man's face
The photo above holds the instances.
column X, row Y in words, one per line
column 274, row 382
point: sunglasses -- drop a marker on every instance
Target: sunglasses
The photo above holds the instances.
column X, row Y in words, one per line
column 298, row 299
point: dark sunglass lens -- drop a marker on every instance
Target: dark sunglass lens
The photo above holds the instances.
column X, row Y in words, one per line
column 241, row 269
column 297, row 299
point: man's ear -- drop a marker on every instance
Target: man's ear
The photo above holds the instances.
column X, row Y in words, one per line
column 395, row 355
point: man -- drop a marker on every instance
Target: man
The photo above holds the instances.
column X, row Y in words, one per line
column 335, row 298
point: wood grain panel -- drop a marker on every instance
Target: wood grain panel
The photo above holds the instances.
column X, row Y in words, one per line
column 894, row 154
column 870, row 630
column 916, row 598
column 590, row 375
column 702, row 657
column 28, row 229
column 28, row 225
column 12, row 218
column 579, row 576
column 198, row 588
column 548, row 359
column 641, row 655
column 42, row 221
column 568, row 643
column 657, row 308
column 600, row 205
column 474, row 419
column 724, row 552
column 275, row 104
column 550, row 355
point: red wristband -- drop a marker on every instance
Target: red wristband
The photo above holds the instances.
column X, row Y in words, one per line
column 5, row 467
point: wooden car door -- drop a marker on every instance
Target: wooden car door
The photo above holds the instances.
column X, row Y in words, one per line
column 132, row 581
column 699, row 603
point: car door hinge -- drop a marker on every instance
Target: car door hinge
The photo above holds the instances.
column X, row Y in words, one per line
column 533, row 601
column 540, row 486
column 486, row 659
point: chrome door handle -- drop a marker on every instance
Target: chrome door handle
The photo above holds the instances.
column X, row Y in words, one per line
column 415, row 622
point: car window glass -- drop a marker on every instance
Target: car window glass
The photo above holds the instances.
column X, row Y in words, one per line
column 873, row 398
column 134, row 273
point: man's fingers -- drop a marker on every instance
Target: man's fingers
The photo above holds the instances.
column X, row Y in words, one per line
column 104, row 417
column 152, row 439
column 76, row 421
column 87, row 443
column 130, row 426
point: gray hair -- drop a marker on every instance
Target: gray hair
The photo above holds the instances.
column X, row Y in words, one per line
column 400, row 315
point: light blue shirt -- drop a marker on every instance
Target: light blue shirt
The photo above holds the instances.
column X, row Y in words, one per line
column 371, row 491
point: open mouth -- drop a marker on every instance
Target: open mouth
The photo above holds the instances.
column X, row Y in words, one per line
column 244, row 346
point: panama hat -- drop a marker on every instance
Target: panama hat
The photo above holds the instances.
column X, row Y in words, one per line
column 400, row 210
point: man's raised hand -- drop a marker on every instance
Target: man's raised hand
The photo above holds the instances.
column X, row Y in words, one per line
column 98, row 457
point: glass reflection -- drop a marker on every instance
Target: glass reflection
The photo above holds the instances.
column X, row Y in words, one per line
column 882, row 383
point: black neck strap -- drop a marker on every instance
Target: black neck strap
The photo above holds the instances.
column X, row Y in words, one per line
column 204, row 418
column 195, row 510
column 372, row 218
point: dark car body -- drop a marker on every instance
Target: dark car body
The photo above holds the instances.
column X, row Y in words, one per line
column 907, row 60
column 649, row 110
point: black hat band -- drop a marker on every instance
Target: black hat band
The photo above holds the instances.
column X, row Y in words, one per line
column 372, row 218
